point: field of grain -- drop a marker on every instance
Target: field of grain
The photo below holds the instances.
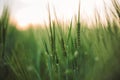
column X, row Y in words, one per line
column 60, row 52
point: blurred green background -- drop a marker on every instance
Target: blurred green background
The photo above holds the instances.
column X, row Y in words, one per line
column 57, row 52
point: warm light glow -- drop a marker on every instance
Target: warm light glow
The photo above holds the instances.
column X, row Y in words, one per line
column 35, row 11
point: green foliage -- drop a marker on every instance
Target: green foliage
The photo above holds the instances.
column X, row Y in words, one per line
column 59, row 52
column 30, row 54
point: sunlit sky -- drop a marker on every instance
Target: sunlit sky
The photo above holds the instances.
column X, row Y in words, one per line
column 36, row 12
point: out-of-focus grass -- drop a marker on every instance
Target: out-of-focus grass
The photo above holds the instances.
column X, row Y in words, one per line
column 57, row 52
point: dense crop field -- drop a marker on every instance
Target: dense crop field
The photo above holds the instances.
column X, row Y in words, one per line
column 60, row 52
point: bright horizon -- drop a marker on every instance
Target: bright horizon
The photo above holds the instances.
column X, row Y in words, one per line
column 27, row 12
